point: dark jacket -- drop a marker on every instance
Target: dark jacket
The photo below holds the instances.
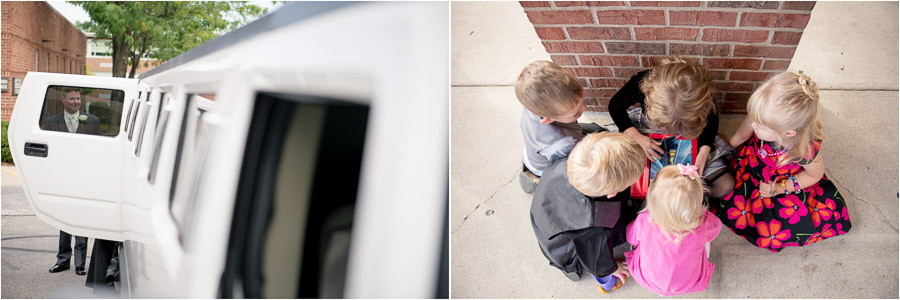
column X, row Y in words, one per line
column 631, row 93
column 575, row 231
column 58, row 123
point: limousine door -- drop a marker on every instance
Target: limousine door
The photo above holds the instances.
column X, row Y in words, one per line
column 69, row 164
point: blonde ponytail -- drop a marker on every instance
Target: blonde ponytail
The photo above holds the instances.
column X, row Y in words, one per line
column 810, row 88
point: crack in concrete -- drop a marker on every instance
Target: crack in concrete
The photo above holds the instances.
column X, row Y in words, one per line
column 483, row 202
column 845, row 189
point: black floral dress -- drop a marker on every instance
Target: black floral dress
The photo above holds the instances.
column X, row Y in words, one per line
column 817, row 213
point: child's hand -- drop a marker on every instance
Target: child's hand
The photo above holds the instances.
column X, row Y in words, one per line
column 651, row 147
column 622, row 271
column 769, row 189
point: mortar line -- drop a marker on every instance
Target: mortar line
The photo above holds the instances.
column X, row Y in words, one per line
column 483, row 202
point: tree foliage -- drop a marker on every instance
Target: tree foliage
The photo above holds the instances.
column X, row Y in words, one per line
column 161, row 29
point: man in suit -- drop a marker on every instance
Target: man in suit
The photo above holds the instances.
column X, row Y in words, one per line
column 76, row 121
column 72, row 119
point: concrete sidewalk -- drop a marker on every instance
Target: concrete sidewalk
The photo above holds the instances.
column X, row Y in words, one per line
column 849, row 48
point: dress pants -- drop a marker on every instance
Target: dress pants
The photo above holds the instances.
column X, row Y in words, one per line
column 102, row 253
column 65, row 249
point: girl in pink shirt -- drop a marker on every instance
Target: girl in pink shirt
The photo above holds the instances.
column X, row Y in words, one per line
column 670, row 237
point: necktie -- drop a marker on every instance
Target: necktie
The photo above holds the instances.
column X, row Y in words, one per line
column 73, row 124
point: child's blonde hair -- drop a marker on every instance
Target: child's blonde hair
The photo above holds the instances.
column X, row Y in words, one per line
column 675, row 202
column 679, row 96
column 547, row 90
column 785, row 102
column 604, row 163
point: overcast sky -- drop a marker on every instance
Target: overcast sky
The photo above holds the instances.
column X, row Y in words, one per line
column 75, row 14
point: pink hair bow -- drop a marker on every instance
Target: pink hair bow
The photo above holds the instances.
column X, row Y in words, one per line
column 689, row 171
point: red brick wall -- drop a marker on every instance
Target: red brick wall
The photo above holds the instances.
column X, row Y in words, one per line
column 25, row 26
column 606, row 42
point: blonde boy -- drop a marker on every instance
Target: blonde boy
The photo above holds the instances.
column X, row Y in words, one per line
column 577, row 213
column 553, row 100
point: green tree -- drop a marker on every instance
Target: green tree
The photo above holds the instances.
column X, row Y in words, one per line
column 160, row 29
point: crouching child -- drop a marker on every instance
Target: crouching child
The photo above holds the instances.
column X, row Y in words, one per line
column 578, row 213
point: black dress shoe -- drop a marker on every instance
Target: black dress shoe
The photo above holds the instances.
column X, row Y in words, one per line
column 58, row 268
column 79, row 270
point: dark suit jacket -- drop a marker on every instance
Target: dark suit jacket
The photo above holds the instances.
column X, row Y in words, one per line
column 577, row 232
column 58, row 123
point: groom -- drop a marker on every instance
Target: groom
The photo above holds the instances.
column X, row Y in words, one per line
column 73, row 119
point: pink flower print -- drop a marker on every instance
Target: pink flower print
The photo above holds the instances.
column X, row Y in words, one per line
column 740, row 178
column 813, row 238
column 845, row 214
column 827, row 232
column 759, row 203
column 782, row 172
column 821, row 211
column 742, row 212
column 753, row 161
column 793, row 209
column 771, row 235
column 814, row 191
column 767, row 173
column 840, row 229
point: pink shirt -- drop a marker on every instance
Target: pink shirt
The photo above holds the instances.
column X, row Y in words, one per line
column 667, row 268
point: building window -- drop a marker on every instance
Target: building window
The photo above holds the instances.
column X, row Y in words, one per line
column 57, row 64
column 37, row 56
column 48, row 62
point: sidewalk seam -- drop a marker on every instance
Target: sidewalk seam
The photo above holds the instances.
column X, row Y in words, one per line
column 859, row 90
column 483, row 202
column 844, row 188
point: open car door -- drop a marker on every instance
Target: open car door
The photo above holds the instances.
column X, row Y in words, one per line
column 67, row 139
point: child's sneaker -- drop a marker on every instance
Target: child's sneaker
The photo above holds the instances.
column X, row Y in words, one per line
column 528, row 180
column 573, row 276
column 609, row 282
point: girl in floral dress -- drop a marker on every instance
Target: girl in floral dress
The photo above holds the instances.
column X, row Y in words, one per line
column 781, row 196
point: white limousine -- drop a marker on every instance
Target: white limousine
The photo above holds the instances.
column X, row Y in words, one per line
column 302, row 155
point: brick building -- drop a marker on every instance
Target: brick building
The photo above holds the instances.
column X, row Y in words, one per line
column 35, row 37
column 604, row 43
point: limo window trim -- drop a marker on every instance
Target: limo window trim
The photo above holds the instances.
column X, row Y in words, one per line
column 128, row 116
column 134, row 117
column 161, row 123
column 144, row 117
column 327, row 227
